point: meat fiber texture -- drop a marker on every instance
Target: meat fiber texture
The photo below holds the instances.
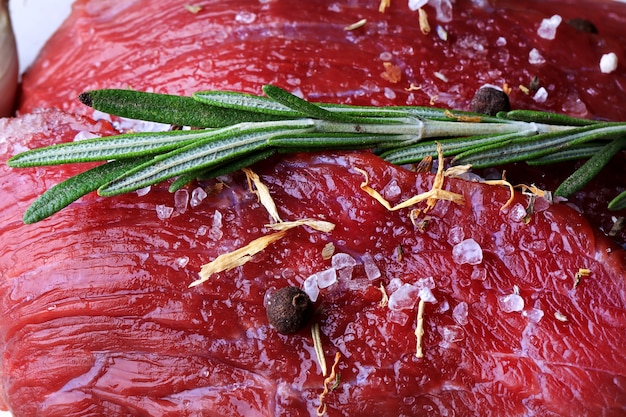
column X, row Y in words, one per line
column 97, row 315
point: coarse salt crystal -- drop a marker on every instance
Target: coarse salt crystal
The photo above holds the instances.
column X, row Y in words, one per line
column 404, row 298
column 427, row 295
column 83, row 134
column 427, row 282
column 394, row 284
column 517, row 213
column 535, row 57
column 326, row 278
column 460, row 313
column 344, row 264
column 534, row 314
column 608, row 63
column 511, row 303
column 197, row 195
column 215, row 232
column 371, row 270
column 441, row 32
column 451, row 334
column 245, row 17
column 342, row 260
column 143, row 191
column 443, row 8
column 547, row 28
column 385, row 56
column 182, row 261
column 311, row 288
column 467, row 252
column 397, row 317
column 163, row 211
column 417, row 4
column 456, row 235
column 181, row 199
column 541, row 95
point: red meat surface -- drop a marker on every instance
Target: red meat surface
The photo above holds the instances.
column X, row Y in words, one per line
column 97, row 315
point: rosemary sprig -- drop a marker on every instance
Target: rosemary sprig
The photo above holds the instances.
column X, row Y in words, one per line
column 239, row 129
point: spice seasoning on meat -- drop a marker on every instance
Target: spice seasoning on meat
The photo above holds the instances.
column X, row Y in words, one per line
column 289, row 310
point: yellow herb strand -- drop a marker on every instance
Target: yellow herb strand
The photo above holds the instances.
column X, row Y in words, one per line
column 263, row 193
column 317, row 345
column 431, row 197
column 321, row 410
column 385, row 298
column 238, row 257
column 419, row 329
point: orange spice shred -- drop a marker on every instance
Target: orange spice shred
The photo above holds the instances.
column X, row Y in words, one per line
column 392, row 73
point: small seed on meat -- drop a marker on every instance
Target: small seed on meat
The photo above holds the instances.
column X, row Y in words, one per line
column 490, row 101
column 289, row 310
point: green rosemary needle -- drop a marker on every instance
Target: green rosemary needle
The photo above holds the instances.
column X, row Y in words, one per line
column 238, row 129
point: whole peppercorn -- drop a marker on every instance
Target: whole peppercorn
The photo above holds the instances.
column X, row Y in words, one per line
column 582, row 25
column 490, row 101
column 289, row 309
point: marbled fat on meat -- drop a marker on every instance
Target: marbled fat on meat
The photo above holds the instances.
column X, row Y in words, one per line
column 97, row 315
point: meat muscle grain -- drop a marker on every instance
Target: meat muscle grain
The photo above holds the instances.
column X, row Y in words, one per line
column 97, row 315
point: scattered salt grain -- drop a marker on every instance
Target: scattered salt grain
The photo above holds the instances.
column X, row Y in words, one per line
column 371, row 270
column 608, row 63
column 397, row 317
column 443, row 8
column 163, row 211
column 460, row 313
column 456, row 235
column 467, row 252
column 427, row 282
column 392, row 189
column 427, row 295
column 441, row 76
column 342, row 260
column 311, row 288
column 394, row 284
column 181, row 199
column 535, row 57
column 202, row 230
column 344, row 264
column 215, row 232
column 441, row 32
column 534, row 314
column 83, row 134
column 182, row 261
column 541, row 95
column 501, row 41
column 443, row 306
column 517, row 213
column 245, row 17
column 511, row 303
column 385, row 56
column 547, row 28
column 451, row 334
column 389, row 93
column 143, row 191
column 417, row 4
column 404, row 298
column 326, row 278
column 197, row 195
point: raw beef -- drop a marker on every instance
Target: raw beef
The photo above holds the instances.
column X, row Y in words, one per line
column 97, row 315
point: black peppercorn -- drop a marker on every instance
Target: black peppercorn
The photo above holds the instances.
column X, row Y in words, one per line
column 490, row 100
column 582, row 25
column 289, row 309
